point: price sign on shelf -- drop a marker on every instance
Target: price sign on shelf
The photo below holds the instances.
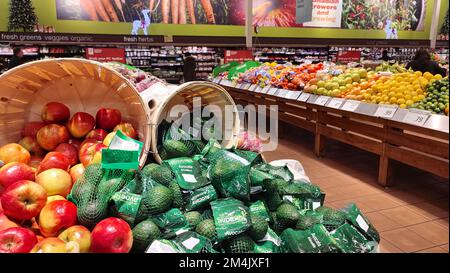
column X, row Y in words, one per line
column 227, row 83
column 272, row 91
column 336, row 103
column 246, row 86
column 322, row 100
column 265, row 90
column 351, row 105
column 304, row 97
column 282, row 93
column 258, row 89
column 253, row 87
column 293, row 95
column 386, row 111
column 417, row 117
column 218, row 81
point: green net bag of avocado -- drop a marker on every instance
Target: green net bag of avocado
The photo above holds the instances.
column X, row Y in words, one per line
column 154, row 174
column 193, row 242
column 253, row 157
column 331, row 218
column 361, row 222
column 272, row 196
column 259, row 208
column 257, row 178
column 282, row 172
column 303, row 195
column 125, row 205
column 231, row 217
column 229, row 174
column 308, row 219
column 271, row 243
column 313, row 240
column 188, row 173
column 171, row 223
column 200, row 197
column 349, row 240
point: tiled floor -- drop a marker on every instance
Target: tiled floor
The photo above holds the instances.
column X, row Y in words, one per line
column 411, row 216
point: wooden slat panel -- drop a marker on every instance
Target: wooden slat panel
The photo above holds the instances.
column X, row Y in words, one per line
column 420, row 161
column 422, row 144
column 303, row 112
column 297, row 121
column 421, row 130
column 352, row 125
column 366, row 144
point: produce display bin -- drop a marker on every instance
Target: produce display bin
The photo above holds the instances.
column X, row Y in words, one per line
column 82, row 85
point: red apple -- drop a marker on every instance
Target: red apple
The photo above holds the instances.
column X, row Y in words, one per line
column 50, row 136
column 76, row 172
column 54, row 160
column 90, row 153
column 69, row 151
column 56, row 216
column 78, row 235
column 32, row 146
column 23, row 200
column 75, row 142
column 13, row 152
column 17, row 240
column 81, row 124
column 97, row 134
column 55, row 112
column 31, row 128
column 111, row 235
column 13, row 172
column 108, row 118
column 55, row 182
column 50, row 245
column 35, row 161
column 5, row 223
column 127, row 129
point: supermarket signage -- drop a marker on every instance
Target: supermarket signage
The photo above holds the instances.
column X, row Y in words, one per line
column 106, row 54
column 29, row 37
column 238, row 56
column 322, row 100
column 293, row 95
column 348, row 56
column 304, row 97
column 325, row 13
column 386, row 111
column 335, row 103
column 351, row 105
column 417, row 117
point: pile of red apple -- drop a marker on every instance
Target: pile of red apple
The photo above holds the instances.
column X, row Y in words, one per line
column 37, row 174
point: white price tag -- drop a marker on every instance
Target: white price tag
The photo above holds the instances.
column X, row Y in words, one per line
column 246, row 86
column 293, row 95
column 258, row 89
column 386, row 111
column 272, row 91
column 253, row 87
column 226, row 82
column 304, row 97
column 351, row 105
column 239, row 85
column 322, row 100
column 266, row 89
column 417, row 117
column 335, row 103
column 218, row 81
column 282, row 93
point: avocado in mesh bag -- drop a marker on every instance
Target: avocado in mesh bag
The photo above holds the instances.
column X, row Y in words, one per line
column 241, row 243
column 332, row 219
column 282, row 172
column 188, row 173
column 125, row 205
column 287, row 215
column 200, row 197
column 357, row 218
column 207, row 228
column 272, row 196
column 308, row 219
column 349, row 240
column 144, row 234
column 269, row 244
column 258, row 229
column 257, row 178
column 313, row 240
column 259, row 208
column 229, row 174
column 193, row 217
column 231, row 217
column 155, row 201
column 171, row 222
column 156, row 173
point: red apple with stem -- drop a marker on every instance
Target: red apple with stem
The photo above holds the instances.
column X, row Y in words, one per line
column 56, row 216
column 55, row 112
column 111, row 235
column 50, row 136
column 23, row 200
column 81, row 124
column 17, row 240
column 108, row 118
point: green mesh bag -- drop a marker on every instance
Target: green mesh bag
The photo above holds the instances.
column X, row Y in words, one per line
column 282, row 172
column 239, row 244
column 207, row 214
column 253, row 157
column 355, row 216
column 155, row 201
column 156, row 173
column 308, row 219
column 313, row 240
column 332, row 219
column 207, row 228
column 349, row 240
column 229, row 173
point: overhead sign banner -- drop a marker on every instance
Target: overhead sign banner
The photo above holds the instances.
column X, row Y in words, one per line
column 304, row 11
column 326, row 13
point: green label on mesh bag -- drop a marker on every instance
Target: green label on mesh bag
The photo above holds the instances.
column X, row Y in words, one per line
column 231, row 217
column 350, row 240
column 201, row 197
column 269, row 244
column 259, row 209
column 172, row 221
column 126, row 205
column 123, row 153
column 188, row 173
column 357, row 218
column 313, row 240
column 192, row 242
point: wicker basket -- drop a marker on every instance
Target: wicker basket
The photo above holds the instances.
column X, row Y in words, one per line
column 161, row 98
column 82, row 85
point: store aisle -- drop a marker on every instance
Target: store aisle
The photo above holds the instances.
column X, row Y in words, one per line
column 412, row 216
